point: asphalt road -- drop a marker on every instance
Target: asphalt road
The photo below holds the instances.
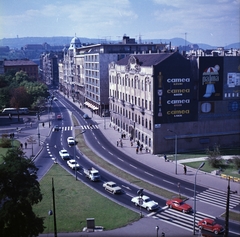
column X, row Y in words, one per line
column 98, row 142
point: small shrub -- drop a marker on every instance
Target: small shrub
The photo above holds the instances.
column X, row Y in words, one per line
column 236, row 161
column 5, row 142
column 214, row 157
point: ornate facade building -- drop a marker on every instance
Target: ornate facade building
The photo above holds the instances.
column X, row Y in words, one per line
column 171, row 103
column 84, row 70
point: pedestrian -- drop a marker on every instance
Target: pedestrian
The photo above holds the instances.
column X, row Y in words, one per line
column 137, row 150
column 10, row 116
column 25, row 145
column 140, row 149
column 185, row 169
column 30, row 124
column 117, row 143
column 165, row 157
column 43, row 124
column 131, row 143
column 21, row 145
column 121, row 144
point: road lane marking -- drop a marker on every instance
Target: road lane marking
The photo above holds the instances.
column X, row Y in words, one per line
column 149, row 174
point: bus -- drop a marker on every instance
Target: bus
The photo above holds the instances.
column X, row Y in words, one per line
column 15, row 111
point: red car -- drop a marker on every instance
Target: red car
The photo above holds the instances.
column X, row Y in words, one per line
column 179, row 204
column 210, row 225
column 59, row 117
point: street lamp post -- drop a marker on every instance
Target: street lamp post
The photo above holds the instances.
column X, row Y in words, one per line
column 175, row 150
column 194, row 211
column 157, row 229
column 75, row 152
column 38, row 135
column 104, row 116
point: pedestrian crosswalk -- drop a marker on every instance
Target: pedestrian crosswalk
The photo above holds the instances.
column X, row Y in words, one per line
column 180, row 219
column 83, row 127
column 218, row 198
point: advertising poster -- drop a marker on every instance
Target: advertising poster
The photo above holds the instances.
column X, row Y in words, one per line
column 210, row 78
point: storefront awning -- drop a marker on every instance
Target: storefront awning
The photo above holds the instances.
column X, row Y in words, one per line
column 88, row 104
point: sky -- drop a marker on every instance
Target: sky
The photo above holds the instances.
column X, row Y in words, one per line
column 214, row 22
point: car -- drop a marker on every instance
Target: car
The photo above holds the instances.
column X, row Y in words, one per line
column 64, row 154
column 179, row 204
column 210, row 225
column 73, row 164
column 112, row 187
column 55, row 99
column 145, row 202
column 85, row 116
column 71, row 141
column 56, row 128
column 59, row 117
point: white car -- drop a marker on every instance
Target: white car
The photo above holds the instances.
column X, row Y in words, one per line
column 64, row 154
column 112, row 187
column 145, row 202
column 73, row 164
column 71, row 141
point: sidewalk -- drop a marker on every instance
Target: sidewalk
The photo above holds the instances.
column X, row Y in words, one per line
column 158, row 162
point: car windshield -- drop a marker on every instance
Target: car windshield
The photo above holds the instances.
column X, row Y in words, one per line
column 64, row 152
column 148, row 200
column 114, row 185
column 73, row 162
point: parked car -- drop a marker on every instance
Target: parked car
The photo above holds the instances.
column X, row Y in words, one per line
column 112, row 187
column 85, row 116
column 73, row 164
column 210, row 225
column 179, row 204
column 71, row 141
column 145, row 202
column 64, row 154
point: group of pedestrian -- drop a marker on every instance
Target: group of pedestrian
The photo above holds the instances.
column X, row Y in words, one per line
column 21, row 145
column 120, row 143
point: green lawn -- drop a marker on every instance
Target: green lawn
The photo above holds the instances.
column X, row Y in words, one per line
column 229, row 169
column 3, row 151
column 75, row 202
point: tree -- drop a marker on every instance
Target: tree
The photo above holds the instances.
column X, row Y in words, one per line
column 19, row 191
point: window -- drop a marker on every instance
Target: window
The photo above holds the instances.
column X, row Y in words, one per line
column 145, row 104
column 139, row 102
column 150, row 125
column 142, row 121
column 149, row 142
column 150, row 105
column 146, row 123
column 139, row 122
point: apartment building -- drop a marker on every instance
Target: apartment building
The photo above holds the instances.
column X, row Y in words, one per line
column 86, row 77
column 171, row 103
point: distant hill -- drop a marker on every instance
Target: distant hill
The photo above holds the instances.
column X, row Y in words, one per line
column 63, row 40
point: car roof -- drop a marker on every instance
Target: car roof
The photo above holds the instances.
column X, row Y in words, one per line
column 70, row 138
column 64, row 150
column 72, row 160
column 208, row 220
column 110, row 182
column 177, row 199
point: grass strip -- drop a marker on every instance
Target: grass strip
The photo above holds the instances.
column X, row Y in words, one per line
column 75, row 202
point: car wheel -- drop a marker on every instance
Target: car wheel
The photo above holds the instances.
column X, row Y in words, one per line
column 215, row 232
column 170, row 206
column 136, row 204
column 148, row 209
column 183, row 211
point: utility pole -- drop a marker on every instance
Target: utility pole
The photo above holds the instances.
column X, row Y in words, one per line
column 54, row 211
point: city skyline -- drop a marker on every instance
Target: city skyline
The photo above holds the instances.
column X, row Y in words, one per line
column 215, row 22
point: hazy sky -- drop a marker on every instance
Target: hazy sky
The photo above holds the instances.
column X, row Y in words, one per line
column 215, row 22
